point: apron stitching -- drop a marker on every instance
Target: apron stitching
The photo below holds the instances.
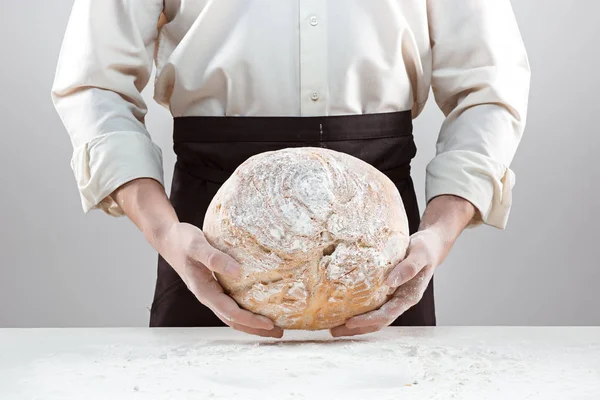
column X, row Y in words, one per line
column 321, row 137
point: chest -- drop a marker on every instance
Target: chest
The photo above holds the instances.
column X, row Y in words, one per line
column 262, row 21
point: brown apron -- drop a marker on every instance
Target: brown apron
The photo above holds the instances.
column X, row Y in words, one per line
column 209, row 149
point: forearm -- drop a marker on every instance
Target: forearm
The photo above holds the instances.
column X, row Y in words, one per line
column 449, row 215
column 145, row 202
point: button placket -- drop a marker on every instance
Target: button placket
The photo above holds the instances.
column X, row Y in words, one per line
column 313, row 58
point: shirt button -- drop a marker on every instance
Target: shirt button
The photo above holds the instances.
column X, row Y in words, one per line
column 314, row 96
column 314, row 21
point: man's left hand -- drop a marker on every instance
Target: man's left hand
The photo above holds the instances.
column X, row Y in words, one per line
column 443, row 221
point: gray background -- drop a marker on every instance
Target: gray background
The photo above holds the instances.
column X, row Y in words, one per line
column 60, row 267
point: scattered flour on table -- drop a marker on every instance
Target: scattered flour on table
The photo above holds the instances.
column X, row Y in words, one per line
column 330, row 369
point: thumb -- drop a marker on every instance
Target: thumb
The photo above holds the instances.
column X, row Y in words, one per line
column 408, row 268
column 214, row 260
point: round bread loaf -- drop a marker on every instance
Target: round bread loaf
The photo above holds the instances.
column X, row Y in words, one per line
column 316, row 233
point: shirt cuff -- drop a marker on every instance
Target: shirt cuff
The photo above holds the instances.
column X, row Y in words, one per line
column 109, row 161
column 484, row 182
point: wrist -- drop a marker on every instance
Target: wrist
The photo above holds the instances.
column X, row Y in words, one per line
column 146, row 204
column 158, row 232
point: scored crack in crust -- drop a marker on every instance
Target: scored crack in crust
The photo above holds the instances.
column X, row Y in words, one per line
column 315, row 231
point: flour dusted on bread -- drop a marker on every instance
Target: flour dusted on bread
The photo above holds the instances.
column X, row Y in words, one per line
column 315, row 231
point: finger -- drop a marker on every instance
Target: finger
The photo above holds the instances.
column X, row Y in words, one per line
column 212, row 295
column 405, row 297
column 276, row 332
column 227, row 307
column 343, row 330
column 407, row 269
column 383, row 316
column 213, row 259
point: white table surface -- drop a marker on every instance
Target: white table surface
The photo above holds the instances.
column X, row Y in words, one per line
column 398, row 363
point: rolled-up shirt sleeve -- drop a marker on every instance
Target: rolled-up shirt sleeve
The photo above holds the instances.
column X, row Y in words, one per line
column 105, row 62
column 480, row 80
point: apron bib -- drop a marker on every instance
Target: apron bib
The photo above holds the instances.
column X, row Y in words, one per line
column 209, row 149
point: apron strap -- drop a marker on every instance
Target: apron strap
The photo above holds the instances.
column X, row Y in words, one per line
column 292, row 129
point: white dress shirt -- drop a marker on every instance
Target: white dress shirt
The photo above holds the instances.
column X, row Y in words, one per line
column 295, row 58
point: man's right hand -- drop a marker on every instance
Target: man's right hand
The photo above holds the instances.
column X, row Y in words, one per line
column 186, row 249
